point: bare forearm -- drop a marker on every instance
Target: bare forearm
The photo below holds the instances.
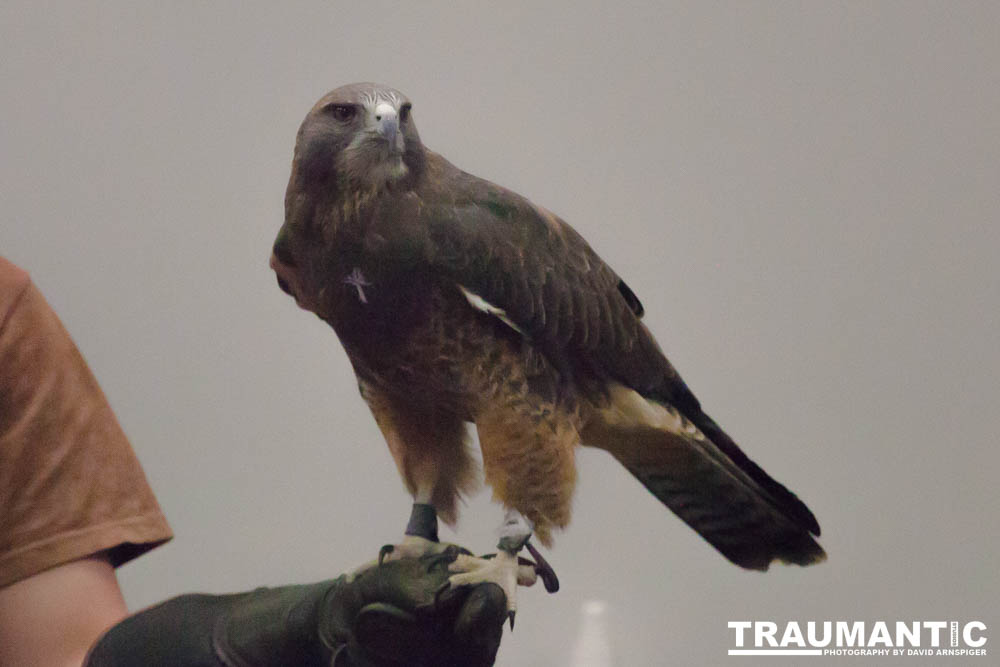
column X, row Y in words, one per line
column 52, row 618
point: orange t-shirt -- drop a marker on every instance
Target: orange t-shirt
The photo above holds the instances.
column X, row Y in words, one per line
column 70, row 484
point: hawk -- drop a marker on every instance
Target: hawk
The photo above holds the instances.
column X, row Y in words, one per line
column 460, row 301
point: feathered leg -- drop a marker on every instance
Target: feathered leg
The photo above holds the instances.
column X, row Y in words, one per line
column 430, row 449
column 529, row 462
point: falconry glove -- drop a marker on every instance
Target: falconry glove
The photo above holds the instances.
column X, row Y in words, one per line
column 398, row 613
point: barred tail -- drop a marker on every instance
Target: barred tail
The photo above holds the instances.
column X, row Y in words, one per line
column 735, row 507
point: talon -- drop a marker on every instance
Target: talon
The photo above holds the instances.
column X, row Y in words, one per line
column 510, row 617
column 440, row 591
column 503, row 570
column 385, row 551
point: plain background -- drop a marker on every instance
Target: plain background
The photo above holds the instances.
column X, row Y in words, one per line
column 804, row 195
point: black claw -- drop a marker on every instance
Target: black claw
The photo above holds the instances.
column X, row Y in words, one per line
column 385, row 551
column 510, row 617
column 440, row 591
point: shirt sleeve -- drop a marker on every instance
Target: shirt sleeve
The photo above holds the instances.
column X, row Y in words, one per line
column 70, row 484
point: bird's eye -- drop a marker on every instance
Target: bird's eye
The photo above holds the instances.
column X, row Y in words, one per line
column 404, row 113
column 342, row 112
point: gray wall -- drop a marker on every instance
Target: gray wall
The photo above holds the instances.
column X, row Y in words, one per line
column 804, row 195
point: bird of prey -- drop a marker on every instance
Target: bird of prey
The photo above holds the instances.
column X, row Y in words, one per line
column 460, row 301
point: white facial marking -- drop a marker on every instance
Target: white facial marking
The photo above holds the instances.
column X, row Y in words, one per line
column 479, row 303
column 373, row 98
column 367, row 161
column 357, row 279
column 384, row 110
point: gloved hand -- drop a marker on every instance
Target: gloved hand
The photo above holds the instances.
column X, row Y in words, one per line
column 396, row 613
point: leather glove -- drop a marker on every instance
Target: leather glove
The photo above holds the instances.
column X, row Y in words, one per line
column 398, row 613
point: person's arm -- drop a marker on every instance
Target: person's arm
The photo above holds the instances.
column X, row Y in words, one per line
column 70, row 484
column 51, row 619
column 74, row 502
column 70, row 487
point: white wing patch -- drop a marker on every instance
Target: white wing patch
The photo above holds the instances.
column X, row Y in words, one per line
column 479, row 303
column 628, row 409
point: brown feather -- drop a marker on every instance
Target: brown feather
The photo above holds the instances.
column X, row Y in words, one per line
column 528, row 438
column 559, row 351
column 430, row 447
column 695, row 479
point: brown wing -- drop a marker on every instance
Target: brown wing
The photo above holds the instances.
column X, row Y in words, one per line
column 548, row 282
column 546, row 278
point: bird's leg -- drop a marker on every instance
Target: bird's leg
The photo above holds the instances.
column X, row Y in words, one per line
column 419, row 539
column 421, row 535
column 423, row 522
column 503, row 569
column 515, row 531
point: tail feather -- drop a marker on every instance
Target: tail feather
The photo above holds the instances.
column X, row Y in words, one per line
column 786, row 501
column 735, row 507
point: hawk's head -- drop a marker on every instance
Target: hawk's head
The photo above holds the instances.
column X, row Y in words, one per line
column 362, row 135
column 357, row 142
